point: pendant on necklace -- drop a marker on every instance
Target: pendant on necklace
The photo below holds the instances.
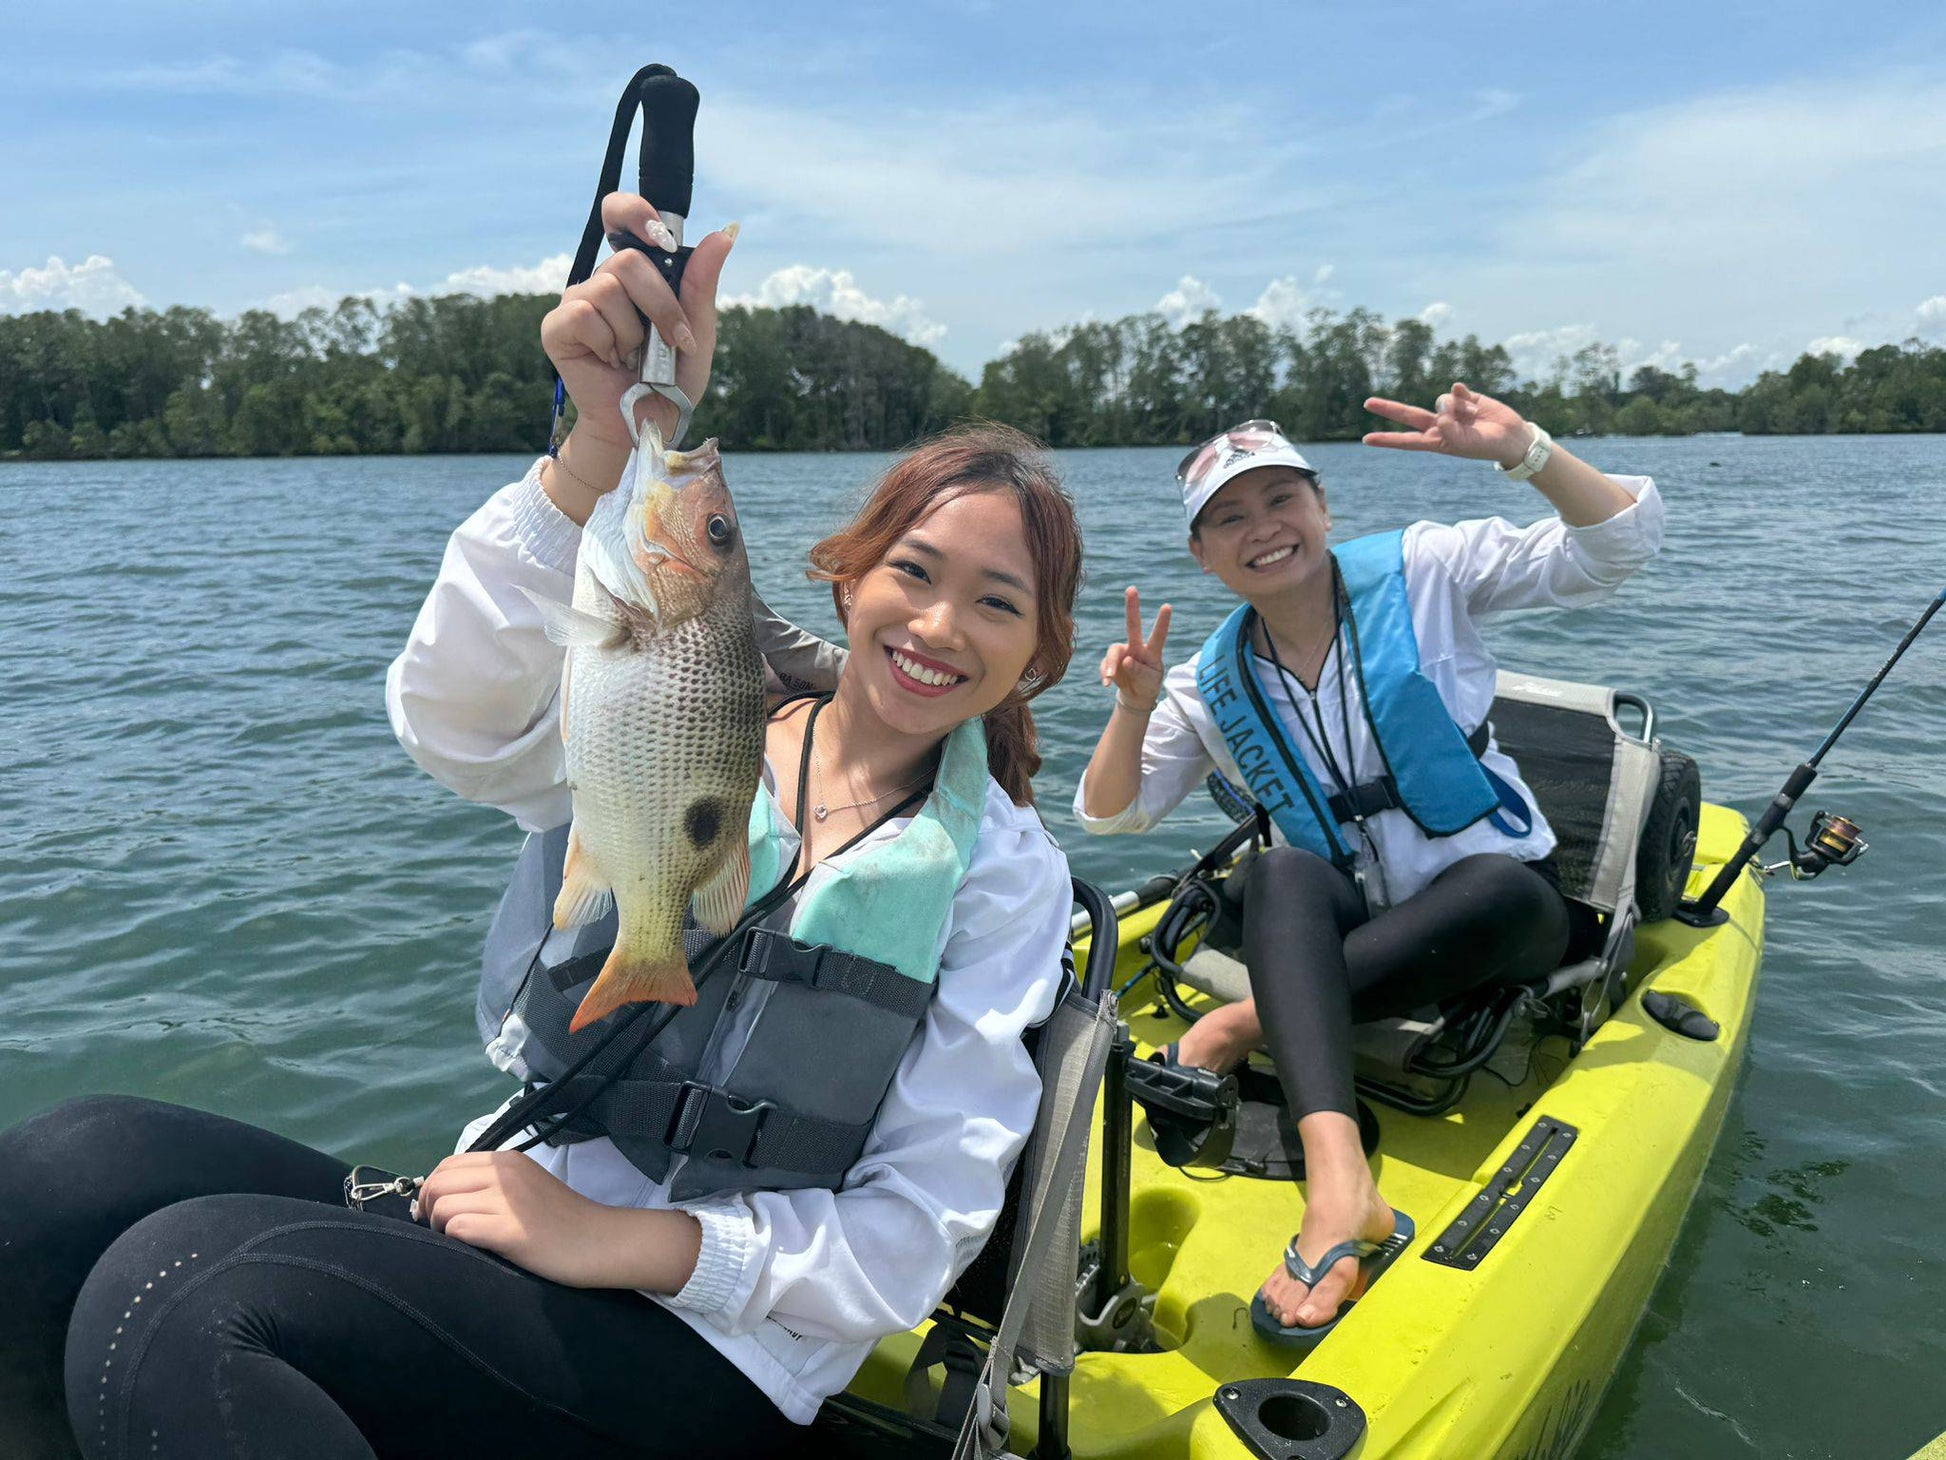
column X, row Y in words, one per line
column 819, row 813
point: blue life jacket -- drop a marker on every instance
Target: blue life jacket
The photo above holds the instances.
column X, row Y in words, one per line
column 1432, row 767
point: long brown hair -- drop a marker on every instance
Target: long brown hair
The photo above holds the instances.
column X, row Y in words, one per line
column 979, row 457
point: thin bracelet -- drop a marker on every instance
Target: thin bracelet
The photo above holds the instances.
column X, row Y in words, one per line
column 558, row 461
column 1132, row 708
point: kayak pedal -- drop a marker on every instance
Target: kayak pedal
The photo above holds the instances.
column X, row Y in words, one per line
column 1292, row 1419
column 1488, row 1217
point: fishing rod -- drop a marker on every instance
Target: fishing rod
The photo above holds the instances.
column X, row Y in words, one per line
column 666, row 176
column 1832, row 841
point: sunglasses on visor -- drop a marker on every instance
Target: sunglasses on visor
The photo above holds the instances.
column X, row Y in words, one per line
column 1251, row 436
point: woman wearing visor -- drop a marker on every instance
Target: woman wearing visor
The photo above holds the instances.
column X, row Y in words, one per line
column 1348, row 692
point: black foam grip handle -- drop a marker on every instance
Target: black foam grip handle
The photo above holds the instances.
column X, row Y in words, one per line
column 668, row 171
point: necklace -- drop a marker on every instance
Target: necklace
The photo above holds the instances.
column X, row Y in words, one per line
column 819, row 810
column 1330, row 633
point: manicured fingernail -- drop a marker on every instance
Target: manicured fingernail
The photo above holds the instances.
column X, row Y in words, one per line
column 732, row 231
column 661, row 237
column 685, row 341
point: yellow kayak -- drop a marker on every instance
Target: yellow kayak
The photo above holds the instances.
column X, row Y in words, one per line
column 1545, row 1213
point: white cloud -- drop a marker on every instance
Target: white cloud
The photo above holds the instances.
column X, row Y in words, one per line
column 1735, row 366
column 549, row 276
column 266, row 240
column 293, row 302
column 1744, row 214
column 1436, row 313
column 1534, row 352
column 1284, row 303
column 1930, row 317
column 1190, row 300
column 836, row 293
column 1490, row 103
column 1666, row 356
column 986, row 181
column 1841, row 345
column 91, row 286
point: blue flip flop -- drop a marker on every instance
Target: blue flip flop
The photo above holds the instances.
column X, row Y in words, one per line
column 1373, row 1259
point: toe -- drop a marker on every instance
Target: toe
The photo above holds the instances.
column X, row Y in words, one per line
column 1283, row 1295
column 1323, row 1302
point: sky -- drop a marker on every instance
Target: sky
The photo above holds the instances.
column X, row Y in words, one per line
column 1729, row 184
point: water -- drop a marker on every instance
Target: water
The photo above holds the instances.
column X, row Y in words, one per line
column 222, row 883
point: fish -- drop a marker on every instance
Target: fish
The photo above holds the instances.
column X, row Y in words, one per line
column 662, row 717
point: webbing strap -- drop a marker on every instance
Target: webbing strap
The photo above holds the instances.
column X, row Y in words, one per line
column 1382, row 792
column 697, row 1119
column 1061, row 1132
column 780, row 958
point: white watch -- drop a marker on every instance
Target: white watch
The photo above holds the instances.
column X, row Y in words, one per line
column 1538, row 451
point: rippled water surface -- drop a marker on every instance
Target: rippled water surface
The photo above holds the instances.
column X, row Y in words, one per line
column 222, row 883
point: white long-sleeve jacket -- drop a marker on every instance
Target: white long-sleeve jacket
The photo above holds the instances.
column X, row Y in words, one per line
column 1454, row 574
column 791, row 1286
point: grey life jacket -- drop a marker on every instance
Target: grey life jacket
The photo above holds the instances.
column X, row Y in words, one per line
column 832, row 983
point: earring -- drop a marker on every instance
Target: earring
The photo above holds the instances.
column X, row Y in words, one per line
column 1029, row 682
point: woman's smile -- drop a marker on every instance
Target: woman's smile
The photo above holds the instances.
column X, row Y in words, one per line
column 919, row 674
column 1272, row 558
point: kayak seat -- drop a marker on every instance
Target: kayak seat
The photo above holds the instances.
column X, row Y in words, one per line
column 1624, row 810
column 1014, row 1308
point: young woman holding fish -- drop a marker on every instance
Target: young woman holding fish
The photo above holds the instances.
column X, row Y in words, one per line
column 184, row 1285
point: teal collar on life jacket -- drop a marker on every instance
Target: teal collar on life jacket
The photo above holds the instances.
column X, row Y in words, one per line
column 1432, row 770
column 889, row 901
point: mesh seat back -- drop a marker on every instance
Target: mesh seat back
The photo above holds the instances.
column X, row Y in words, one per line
column 1594, row 781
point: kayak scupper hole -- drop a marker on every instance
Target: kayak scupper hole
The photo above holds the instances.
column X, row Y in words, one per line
column 1294, row 1417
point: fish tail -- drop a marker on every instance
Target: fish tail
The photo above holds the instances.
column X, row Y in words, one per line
column 631, row 978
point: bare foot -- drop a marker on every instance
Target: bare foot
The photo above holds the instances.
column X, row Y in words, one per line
column 1221, row 1039
column 1326, row 1224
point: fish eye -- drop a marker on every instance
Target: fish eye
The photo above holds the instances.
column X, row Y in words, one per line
column 720, row 530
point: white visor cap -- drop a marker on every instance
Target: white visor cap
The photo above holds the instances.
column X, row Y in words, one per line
column 1209, row 467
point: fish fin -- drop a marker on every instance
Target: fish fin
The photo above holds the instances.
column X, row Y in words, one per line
column 627, row 979
column 585, row 893
column 572, row 626
column 718, row 903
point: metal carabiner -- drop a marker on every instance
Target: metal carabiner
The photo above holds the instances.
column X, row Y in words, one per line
column 358, row 1192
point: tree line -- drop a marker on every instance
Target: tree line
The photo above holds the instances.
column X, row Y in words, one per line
column 463, row 374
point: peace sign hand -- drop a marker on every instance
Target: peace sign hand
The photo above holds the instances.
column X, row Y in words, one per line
column 1462, row 423
column 1134, row 667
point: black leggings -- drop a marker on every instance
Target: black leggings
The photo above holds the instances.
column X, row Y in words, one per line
column 1319, row 963
column 174, row 1284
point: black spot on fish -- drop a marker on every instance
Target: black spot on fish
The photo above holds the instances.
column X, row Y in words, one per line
column 702, row 821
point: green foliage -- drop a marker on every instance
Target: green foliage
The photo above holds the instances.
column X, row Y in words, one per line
column 466, row 374
column 1137, row 381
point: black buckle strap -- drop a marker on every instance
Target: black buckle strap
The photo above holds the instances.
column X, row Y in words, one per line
column 1382, row 794
column 716, row 1125
column 1366, row 800
column 779, row 958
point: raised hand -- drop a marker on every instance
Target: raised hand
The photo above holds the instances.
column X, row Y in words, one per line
column 595, row 334
column 1135, row 667
column 1462, row 423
